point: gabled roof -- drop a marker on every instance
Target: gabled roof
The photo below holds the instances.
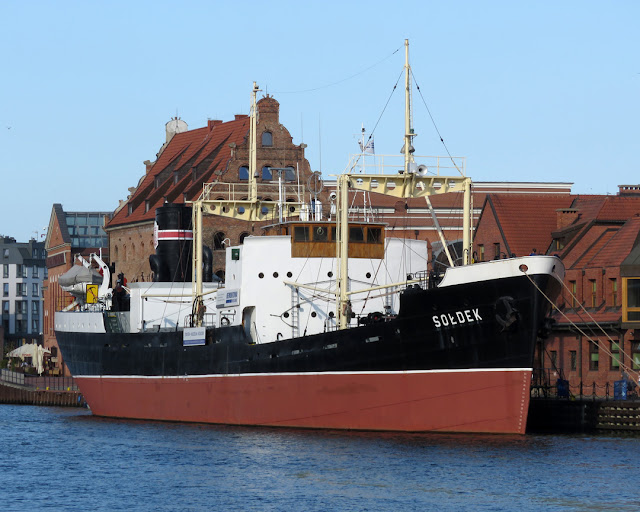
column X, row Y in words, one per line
column 189, row 159
column 527, row 220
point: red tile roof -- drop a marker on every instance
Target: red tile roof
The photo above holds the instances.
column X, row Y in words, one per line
column 528, row 220
column 195, row 155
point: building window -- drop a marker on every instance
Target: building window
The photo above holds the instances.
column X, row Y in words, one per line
column 553, row 356
column 21, row 326
column 21, row 289
column 34, row 290
column 243, row 173
column 6, row 253
column 21, row 271
column 176, row 177
column 289, row 174
column 34, row 271
column 614, row 292
column 34, row 325
column 5, row 270
column 46, row 273
column 266, row 173
column 267, row 139
column 5, row 306
column 615, row 356
column 635, row 354
column 481, row 248
column 146, row 205
column 496, row 251
column 594, row 356
column 129, row 209
column 34, row 308
column 573, row 287
column 21, row 307
column 631, row 299
column 218, row 241
column 243, row 236
column 594, row 290
column 573, row 357
column 5, row 290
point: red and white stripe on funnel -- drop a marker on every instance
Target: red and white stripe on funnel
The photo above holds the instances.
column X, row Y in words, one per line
column 160, row 235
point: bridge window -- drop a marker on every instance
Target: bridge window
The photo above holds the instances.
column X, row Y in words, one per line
column 374, row 235
column 356, row 234
column 301, row 234
column 320, row 233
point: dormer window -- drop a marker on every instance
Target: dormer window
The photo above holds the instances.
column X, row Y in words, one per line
column 129, row 209
column 267, row 139
column 146, row 205
column 156, row 182
column 175, row 177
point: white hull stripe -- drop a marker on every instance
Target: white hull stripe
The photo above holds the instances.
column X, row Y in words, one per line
column 175, row 234
column 298, row 374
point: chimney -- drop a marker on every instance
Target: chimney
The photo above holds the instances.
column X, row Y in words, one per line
column 565, row 217
column 629, row 190
column 211, row 123
column 240, row 116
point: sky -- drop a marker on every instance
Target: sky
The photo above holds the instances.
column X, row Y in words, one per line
column 542, row 91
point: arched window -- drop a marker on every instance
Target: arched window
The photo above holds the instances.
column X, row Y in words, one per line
column 266, row 173
column 267, row 139
column 220, row 274
column 243, row 173
column 290, row 174
column 218, row 240
column 243, row 236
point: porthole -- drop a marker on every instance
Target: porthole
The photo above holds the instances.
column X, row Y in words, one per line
column 329, row 274
column 314, row 314
column 286, row 315
column 275, row 274
column 289, row 274
column 260, row 275
column 368, row 275
column 331, row 314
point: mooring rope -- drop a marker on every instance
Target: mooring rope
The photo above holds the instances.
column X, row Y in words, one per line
column 623, row 366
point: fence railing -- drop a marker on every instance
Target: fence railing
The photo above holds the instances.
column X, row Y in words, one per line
column 34, row 382
column 543, row 386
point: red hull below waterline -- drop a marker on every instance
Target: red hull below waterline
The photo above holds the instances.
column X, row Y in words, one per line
column 478, row 401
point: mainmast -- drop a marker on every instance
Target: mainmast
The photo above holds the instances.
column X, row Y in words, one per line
column 407, row 149
column 253, row 143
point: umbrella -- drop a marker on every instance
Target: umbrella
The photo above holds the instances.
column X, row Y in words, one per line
column 30, row 350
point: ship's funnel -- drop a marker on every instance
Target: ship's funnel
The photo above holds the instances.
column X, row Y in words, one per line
column 173, row 238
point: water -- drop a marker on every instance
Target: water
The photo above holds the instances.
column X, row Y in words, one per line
column 66, row 459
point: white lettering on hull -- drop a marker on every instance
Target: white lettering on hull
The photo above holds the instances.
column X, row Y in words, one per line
column 466, row 316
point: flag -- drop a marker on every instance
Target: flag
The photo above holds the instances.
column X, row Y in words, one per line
column 368, row 148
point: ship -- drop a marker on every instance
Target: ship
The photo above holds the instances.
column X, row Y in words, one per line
column 319, row 323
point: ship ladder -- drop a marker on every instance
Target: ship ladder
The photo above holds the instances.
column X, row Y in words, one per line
column 295, row 312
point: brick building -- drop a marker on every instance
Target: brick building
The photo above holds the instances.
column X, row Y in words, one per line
column 217, row 153
column 69, row 234
column 597, row 330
